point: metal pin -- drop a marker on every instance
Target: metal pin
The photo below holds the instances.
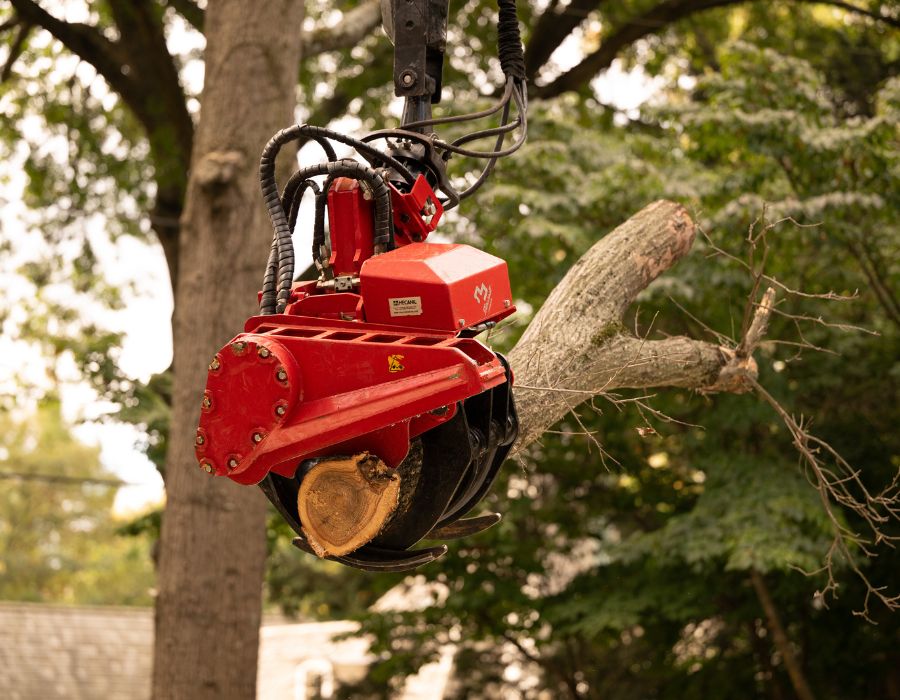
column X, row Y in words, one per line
column 200, row 440
column 207, row 467
column 263, row 352
column 207, row 404
column 257, row 437
column 280, row 410
column 281, row 374
column 232, row 463
column 462, row 323
column 215, row 364
column 238, row 347
column 507, row 303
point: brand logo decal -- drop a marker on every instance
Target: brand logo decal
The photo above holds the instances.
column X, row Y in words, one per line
column 394, row 364
column 483, row 295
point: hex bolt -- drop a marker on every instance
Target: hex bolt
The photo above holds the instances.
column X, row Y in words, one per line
column 506, row 303
column 215, row 364
column 200, row 440
column 238, row 347
column 207, row 404
column 462, row 323
column 408, row 78
column 207, row 467
column 280, row 410
column 263, row 352
column 232, row 463
column 257, row 438
column 281, row 374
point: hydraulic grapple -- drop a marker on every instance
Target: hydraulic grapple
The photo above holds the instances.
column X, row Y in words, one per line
column 361, row 401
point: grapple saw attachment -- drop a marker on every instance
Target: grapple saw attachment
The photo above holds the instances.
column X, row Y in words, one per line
column 361, row 402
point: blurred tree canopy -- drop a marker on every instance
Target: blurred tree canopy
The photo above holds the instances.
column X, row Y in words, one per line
column 666, row 565
column 59, row 540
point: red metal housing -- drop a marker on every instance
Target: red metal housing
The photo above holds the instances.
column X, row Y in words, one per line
column 292, row 388
column 444, row 286
column 342, row 372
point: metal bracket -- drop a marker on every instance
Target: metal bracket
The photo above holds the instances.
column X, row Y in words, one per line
column 418, row 29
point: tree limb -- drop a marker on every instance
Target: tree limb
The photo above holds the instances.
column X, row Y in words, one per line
column 140, row 69
column 551, row 29
column 15, row 49
column 659, row 16
column 355, row 26
column 86, row 42
column 577, row 347
column 190, row 10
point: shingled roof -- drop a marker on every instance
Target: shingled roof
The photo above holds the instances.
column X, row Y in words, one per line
column 85, row 653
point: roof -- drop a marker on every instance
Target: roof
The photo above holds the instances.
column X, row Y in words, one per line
column 86, row 652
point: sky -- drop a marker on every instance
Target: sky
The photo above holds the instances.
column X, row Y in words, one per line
column 140, row 266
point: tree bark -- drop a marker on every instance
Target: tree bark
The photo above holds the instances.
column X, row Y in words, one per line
column 577, row 346
column 213, row 535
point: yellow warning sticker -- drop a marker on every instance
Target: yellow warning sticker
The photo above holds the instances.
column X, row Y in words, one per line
column 394, row 363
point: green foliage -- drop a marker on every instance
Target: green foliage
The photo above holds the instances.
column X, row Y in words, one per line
column 622, row 576
column 58, row 537
column 632, row 580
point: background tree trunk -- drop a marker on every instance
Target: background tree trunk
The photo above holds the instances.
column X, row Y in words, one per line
column 213, row 535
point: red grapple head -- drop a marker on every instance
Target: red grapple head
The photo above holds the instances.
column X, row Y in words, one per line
column 250, row 388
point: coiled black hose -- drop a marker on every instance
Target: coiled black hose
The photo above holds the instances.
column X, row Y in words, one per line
column 509, row 41
column 283, row 246
column 276, row 290
column 383, row 234
column 290, row 202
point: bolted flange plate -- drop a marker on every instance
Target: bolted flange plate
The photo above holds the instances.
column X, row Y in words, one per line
column 251, row 387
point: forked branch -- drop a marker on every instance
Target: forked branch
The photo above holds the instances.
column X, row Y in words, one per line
column 577, row 348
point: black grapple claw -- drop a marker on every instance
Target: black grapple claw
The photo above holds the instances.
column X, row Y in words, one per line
column 449, row 469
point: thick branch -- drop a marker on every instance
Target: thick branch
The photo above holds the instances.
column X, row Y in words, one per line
column 355, row 26
column 84, row 41
column 140, row 69
column 551, row 29
column 576, row 347
column 190, row 10
column 623, row 362
column 659, row 16
column 15, row 49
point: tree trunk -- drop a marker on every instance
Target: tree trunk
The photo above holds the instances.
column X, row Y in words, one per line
column 213, row 535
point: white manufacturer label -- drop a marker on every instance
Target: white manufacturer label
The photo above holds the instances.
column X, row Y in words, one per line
column 406, row 306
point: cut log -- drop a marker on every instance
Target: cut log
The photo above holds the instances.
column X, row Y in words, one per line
column 344, row 502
